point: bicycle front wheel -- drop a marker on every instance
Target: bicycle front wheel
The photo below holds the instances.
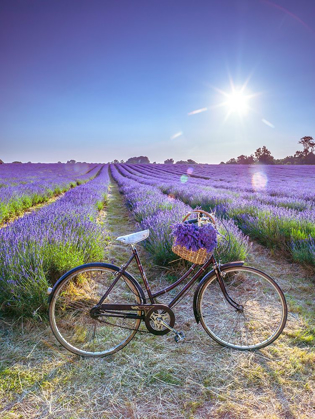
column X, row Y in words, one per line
column 263, row 315
column 69, row 311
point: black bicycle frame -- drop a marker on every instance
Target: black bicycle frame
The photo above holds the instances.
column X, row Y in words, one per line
column 152, row 296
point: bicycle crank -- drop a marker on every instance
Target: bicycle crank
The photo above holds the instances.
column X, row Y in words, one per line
column 160, row 320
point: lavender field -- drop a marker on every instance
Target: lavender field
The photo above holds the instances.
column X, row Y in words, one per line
column 268, row 214
column 274, row 205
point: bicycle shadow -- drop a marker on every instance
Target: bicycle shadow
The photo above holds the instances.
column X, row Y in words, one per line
column 277, row 387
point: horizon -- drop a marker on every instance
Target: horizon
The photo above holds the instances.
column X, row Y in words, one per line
column 205, row 81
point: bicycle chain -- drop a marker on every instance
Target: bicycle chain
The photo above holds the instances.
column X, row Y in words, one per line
column 124, row 327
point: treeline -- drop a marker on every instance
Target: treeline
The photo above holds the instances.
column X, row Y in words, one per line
column 145, row 160
column 263, row 156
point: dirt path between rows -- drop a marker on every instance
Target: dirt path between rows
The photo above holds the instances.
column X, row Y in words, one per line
column 117, row 221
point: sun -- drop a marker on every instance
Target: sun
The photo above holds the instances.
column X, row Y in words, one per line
column 237, row 102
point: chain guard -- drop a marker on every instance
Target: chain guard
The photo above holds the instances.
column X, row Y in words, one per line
column 153, row 315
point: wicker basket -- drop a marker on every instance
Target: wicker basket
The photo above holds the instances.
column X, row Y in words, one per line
column 200, row 256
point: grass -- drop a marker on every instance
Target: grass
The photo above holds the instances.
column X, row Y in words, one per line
column 153, row 377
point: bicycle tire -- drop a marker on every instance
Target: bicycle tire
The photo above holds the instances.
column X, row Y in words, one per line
column 264, row 309
column 69, row 310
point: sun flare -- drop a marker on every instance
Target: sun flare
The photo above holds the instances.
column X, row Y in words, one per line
column 237, row 102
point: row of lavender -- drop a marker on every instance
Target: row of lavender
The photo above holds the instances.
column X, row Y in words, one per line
column 283, row 222
column 155, row 211
column 36, row 249
column 285, row 195
column 274, row 180
column 25, row 185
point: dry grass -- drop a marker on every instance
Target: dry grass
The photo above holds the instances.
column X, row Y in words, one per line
column 153, row 377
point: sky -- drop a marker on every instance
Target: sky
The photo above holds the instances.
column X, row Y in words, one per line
column 98, row 80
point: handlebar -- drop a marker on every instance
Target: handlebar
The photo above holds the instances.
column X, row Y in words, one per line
column 201, row 216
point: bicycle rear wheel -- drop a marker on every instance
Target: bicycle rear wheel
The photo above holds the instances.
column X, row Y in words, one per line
column 70, row 305
column 264, row 311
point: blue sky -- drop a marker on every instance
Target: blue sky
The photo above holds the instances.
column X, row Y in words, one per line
column 96, row 80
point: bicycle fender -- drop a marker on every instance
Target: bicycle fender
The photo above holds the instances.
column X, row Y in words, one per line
column 204, row 279
column 98, row 264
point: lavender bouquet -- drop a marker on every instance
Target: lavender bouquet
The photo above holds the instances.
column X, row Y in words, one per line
column 195, row 237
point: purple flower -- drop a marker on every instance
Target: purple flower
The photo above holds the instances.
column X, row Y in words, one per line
column 193, row 237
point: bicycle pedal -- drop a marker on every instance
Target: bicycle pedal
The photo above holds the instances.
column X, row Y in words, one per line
column 179, row 337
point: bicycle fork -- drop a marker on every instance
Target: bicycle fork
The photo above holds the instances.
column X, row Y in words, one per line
column 220, row 275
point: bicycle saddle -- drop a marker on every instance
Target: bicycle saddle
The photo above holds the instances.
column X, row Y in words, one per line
column 134, row 237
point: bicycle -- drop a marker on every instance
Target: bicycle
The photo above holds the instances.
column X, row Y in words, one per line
column 96, row 309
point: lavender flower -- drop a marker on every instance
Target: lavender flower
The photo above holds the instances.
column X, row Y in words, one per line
column 195, row 237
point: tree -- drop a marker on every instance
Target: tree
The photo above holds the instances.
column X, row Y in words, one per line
column 250, row 159
column 263, row 155
column 169, row 161
column 308, row 144
column 286, row 160
column 138, row 160
column 231, row 161
column 242, row 159
column 190, row 161
column 71, row 162
column 309, row 159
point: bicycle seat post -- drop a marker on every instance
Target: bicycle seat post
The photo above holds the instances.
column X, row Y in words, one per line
column 142, row 272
